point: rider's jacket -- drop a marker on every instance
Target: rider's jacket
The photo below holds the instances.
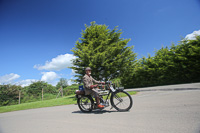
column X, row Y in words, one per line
column 87, row 82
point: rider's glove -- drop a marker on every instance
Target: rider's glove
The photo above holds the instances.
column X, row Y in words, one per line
column 93, row 86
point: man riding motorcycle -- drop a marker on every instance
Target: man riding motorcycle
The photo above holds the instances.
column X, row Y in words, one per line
column 91, row 89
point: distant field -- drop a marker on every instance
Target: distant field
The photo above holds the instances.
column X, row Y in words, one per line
column 46, row 103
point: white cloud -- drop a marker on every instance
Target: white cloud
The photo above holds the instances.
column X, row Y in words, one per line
column 49, row 77
column 73, row 72
column 192, row 35
column 8, row 78
column 70, row 82
column 58, row 63
column 26, row 82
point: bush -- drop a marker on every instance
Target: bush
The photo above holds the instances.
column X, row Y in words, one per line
column 9, row 94
column 174, row 65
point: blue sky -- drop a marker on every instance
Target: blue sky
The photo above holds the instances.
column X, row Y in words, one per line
column 36, row 36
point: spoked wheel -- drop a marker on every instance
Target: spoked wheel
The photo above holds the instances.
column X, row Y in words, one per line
column 121, row 101
column 85, row 103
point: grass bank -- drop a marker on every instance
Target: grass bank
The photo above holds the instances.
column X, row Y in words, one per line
column 46, row 103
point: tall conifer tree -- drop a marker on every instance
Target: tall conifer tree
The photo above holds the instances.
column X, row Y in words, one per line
column 104, row 51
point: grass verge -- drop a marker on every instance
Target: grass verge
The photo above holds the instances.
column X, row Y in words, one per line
column 46, row 103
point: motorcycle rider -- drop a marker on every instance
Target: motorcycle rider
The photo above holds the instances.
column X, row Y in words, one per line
column 91, row 89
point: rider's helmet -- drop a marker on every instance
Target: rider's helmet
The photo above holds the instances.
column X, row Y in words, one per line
column 88, row 68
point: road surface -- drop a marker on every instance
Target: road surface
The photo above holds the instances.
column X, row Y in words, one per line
column 170, row 110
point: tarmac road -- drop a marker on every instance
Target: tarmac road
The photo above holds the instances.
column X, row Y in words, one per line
column 169, row 111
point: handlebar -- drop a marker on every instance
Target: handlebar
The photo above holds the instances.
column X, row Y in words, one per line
column 106, row 85
column 107, row 82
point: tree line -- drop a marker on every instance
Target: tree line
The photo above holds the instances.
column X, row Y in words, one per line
column 108, row 55
column 36, row 91
column 170, row 65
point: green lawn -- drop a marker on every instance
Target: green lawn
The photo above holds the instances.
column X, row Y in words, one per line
column 46, row 103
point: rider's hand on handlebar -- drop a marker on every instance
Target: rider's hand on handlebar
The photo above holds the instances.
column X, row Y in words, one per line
column 93, row 86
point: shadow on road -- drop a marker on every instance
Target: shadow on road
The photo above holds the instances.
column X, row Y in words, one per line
column 96, row 112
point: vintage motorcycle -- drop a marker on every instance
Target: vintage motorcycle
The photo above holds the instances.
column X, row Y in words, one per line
column 119, row 99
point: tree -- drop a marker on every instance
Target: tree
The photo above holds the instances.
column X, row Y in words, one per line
column 63, row 82
column 9, row 94
column 35, row 88
column 187, row 60
column 104, row 51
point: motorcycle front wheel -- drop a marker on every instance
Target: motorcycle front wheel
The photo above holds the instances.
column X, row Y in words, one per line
column 85, row 104
column 121, row 101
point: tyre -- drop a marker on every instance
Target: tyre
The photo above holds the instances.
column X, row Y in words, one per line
column 85, row 104
column 121, row 101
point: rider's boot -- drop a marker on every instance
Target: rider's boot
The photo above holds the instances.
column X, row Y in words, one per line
column 100, row 106
column 98, row 103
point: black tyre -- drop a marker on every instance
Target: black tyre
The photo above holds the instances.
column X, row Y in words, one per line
column 121, row 101
column 85, row 104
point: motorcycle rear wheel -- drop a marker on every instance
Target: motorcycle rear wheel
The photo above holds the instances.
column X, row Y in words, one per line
column 85, row 103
